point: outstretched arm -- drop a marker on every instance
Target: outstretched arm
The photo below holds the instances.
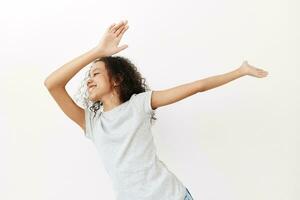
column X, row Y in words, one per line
column 172, row 95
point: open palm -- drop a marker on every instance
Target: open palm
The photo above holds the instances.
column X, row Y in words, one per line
column 252, row 71
column 110, row 40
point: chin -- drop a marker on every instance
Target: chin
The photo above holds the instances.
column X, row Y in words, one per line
column 93, row 98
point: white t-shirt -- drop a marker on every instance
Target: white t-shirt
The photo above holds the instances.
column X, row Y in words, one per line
column 125, row 144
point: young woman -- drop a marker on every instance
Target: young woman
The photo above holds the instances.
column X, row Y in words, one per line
column 117, row 116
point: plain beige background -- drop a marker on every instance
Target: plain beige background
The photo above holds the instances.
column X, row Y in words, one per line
column 237, row 141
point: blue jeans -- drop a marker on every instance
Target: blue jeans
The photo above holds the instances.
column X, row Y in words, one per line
column 188, row 195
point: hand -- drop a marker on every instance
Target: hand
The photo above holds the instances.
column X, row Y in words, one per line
column 247, row 69
column 109, row 42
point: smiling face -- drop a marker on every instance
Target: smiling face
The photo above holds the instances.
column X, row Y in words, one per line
column 98, row 83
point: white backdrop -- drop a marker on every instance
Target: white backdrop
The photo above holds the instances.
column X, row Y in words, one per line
column 237, row 141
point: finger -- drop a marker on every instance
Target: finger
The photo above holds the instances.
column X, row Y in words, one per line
column 123, row 31
column 110, row 27
column 120, row 32
column 116, row 27
column 124, row 46
column 117, row 32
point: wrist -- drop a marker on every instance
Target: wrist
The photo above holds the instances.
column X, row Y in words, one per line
column 241, row 71
column 98, row 52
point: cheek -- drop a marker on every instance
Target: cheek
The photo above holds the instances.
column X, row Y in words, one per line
column 102, row 82
column 101, row 86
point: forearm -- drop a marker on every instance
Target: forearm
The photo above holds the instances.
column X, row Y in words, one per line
column 61, row 76
column 218, row 80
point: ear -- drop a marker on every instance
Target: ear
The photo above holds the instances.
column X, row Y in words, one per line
column 119, row 80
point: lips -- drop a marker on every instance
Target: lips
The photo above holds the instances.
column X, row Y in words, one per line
column 91, row 86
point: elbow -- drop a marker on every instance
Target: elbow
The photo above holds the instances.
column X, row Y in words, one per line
column 46, row 83
column 201, row 87
column 50, row 85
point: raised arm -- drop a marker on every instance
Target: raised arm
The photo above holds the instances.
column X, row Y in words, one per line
column 58, row 79
column 172, row 95
column 106, row 47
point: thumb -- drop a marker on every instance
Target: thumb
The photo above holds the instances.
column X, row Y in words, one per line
column 124, row 46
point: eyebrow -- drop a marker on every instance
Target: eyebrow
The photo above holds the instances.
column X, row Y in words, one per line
column 94, row 70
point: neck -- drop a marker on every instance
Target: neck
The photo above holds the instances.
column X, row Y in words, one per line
column 110, row 101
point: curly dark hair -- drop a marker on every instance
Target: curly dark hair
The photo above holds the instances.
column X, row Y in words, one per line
column 121, row 69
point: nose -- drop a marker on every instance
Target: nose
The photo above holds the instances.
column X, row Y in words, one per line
column 89, row 82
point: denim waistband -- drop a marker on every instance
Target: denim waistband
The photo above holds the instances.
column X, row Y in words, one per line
column 188, row 195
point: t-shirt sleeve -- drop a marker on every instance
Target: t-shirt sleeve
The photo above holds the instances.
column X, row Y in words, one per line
column 143, row 101
column 88, row 132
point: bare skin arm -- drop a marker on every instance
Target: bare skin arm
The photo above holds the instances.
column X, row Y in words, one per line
column 106, row 47
column 172, row 95
column 244, row 69
column 57, row 80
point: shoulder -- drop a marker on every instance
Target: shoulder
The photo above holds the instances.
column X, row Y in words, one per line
column 143, row 101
